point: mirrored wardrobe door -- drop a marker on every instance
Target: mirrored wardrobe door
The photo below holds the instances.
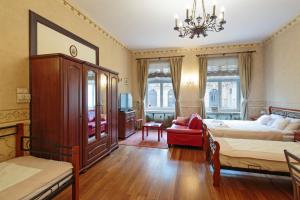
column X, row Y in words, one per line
column 103, row 105
column 91, row 106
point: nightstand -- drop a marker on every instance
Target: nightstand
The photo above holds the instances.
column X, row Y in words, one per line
column 297, row 136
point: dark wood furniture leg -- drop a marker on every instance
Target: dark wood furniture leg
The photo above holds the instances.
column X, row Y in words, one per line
column 147, row 129
column 213, row 156
column 143, row 132
column 75, row 162
column 158, row 134
column 19, row 135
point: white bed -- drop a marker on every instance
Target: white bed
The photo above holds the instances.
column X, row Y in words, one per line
column 27, row 176
column 251, row 155
column 256, row 154
column 246, row 130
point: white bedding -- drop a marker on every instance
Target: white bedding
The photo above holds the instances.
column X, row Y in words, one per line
column 257, row 154
column 38, row 174
column 246, row 130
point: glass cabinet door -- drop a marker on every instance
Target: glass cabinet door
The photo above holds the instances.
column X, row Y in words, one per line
column 91, row 101
column 103, row 105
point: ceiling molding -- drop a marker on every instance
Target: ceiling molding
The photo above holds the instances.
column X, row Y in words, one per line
column 283, row 29
column 77, row 12
column 221, row 48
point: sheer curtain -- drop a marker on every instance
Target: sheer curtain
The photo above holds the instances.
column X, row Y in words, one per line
column 245, row 68
column 175, row 68
column 202, row 83
column 142, row 77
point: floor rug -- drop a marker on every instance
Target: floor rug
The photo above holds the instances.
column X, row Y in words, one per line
column 150, row 141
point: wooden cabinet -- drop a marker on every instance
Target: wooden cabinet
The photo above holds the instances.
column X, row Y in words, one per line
column 73, row 103
column 126, row 123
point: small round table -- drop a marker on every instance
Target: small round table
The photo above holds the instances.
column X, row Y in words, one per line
column 153, row 125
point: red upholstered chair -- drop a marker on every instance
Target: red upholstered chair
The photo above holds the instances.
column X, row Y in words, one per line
column 186, row 131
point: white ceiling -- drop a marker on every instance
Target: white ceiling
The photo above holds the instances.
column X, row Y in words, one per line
column 145, row 24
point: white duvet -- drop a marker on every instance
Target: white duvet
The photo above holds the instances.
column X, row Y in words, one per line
column 246, row 130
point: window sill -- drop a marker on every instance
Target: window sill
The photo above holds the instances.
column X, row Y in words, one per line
column 223, row 112
column 160, row 111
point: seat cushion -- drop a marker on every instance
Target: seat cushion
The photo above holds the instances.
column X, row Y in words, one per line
column 178, row 129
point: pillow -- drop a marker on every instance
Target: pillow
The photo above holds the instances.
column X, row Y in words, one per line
column 280, row 123
column 91, row 115
column 200, row 123
column 293, row 120
column 294, row 124
column 273, row 118
column 195, row 122
column 264, row 119
column 183, row 121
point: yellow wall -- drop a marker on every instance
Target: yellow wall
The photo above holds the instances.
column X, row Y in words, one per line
column 282, row 67
column 190, row 94
column 14, row 48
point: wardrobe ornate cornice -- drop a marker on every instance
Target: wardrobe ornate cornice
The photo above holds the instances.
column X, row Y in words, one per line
column 77, row 12
column 220, row 48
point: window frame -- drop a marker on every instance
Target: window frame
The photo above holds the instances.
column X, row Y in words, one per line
column 161, row 82
column 219, row 80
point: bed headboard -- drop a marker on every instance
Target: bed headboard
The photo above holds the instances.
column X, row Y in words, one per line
column 285, row 112
column 19, row 134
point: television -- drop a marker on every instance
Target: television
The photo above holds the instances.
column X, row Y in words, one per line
column 125, row 102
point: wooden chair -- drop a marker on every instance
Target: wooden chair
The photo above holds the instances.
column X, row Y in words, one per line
column 294, row 168
column 138, row 123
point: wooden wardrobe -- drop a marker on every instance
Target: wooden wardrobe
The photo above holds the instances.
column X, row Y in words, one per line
column 73, row 103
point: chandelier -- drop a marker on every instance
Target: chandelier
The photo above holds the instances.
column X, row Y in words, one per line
column 199, row 25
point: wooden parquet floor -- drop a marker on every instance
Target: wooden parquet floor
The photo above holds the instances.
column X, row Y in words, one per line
column 179, row 173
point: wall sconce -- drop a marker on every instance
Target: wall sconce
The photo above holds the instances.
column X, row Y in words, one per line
column 190, row 80
column 123, row 81
column 189, row 83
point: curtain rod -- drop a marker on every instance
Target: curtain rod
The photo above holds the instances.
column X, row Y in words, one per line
column 158, row 58
column 223, row 54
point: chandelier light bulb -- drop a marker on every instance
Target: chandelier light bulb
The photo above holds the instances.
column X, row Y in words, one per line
column 221, row 16
column 222, row 9
column 176, row 21
column 180, row 24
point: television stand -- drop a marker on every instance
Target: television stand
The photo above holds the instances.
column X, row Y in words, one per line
column 126, row 124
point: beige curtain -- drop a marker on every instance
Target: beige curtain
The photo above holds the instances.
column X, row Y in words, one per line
column 245, row 67
column 202, row 83
column 176, row 66
column 142, row 77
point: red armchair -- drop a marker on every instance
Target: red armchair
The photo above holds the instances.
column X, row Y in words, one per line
column 188, row 132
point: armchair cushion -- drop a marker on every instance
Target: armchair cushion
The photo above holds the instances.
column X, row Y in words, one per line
column 183, row 121
column 195, row 122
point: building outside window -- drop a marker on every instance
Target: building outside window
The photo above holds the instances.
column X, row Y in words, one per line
column 223, row 96
column 159, row 99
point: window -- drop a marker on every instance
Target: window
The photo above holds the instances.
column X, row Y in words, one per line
column 159, row 94
column 223, row 88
